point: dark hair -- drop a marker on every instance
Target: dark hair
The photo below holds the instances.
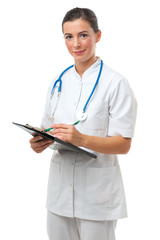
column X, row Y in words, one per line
column 82, row 13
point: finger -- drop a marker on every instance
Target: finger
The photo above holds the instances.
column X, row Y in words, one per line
column 40, row 146
column 50, row 132
column 42, row 143
column 64, row 126
column 63, row 137
column 59, row 130
column 44, row 146
column 35, row 139
column 66, row 129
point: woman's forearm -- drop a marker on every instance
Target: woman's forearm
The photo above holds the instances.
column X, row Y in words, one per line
column 107, row 145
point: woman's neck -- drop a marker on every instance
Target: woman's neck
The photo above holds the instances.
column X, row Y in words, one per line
column 81, row 67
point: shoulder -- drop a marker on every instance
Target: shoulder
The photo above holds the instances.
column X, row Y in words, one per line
column 113, row 78
column 112, row 74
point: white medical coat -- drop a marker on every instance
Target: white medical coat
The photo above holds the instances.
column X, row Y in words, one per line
column 81, row 186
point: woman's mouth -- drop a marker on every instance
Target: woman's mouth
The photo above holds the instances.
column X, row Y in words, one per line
column 79, row 52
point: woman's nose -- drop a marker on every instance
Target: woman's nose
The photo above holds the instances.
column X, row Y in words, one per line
column 76, row 43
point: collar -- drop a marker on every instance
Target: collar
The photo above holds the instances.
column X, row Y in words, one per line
column 93, row 68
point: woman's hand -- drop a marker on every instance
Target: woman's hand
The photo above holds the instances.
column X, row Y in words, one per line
column 39, row 144
column 67, row 133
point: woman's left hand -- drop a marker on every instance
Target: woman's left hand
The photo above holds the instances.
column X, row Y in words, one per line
column 67, row 133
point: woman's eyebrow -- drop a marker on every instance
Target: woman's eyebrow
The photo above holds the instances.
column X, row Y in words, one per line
column 67, row 34
column 78, row 33
column 83, row 32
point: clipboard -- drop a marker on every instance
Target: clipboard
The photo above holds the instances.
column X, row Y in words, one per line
column 34, row 131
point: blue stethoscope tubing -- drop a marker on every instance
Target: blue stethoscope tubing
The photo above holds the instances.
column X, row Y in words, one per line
column 60, row 81
column 60, row 84
column 96, row 83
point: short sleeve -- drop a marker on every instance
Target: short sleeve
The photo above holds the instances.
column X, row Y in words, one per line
column 122, row 110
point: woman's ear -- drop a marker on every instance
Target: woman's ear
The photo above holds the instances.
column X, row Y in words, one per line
column 99, row 34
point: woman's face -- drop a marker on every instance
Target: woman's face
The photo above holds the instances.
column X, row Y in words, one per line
column 81, row 40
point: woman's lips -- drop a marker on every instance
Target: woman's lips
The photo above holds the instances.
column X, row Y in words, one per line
column 79, row 52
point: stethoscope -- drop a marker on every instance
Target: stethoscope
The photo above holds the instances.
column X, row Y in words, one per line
column 81, row 116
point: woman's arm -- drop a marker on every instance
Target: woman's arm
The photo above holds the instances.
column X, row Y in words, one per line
column 107, row 145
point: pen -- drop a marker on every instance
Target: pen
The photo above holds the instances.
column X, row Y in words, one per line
column 48, row 129
column 75, row 123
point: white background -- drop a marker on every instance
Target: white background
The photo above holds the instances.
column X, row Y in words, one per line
column 32, row 51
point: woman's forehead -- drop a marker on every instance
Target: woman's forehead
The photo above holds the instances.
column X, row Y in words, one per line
column 77, row 25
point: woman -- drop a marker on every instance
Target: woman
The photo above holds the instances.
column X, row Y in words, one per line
column 97, row 111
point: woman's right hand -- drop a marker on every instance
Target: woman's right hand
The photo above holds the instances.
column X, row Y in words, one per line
column 39, row 144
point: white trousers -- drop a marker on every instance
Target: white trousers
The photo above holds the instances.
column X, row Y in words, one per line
column 64, row 228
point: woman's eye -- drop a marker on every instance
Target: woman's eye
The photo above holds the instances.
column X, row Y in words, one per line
column 68, row 37
column 83, row 35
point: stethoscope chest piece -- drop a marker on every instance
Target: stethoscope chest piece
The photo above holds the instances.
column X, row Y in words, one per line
column 81, row 116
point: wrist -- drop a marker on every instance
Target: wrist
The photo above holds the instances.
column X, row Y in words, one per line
column 83, row 140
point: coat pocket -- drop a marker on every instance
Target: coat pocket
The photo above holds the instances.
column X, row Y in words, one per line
column 53, row 182
column 103, row 186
